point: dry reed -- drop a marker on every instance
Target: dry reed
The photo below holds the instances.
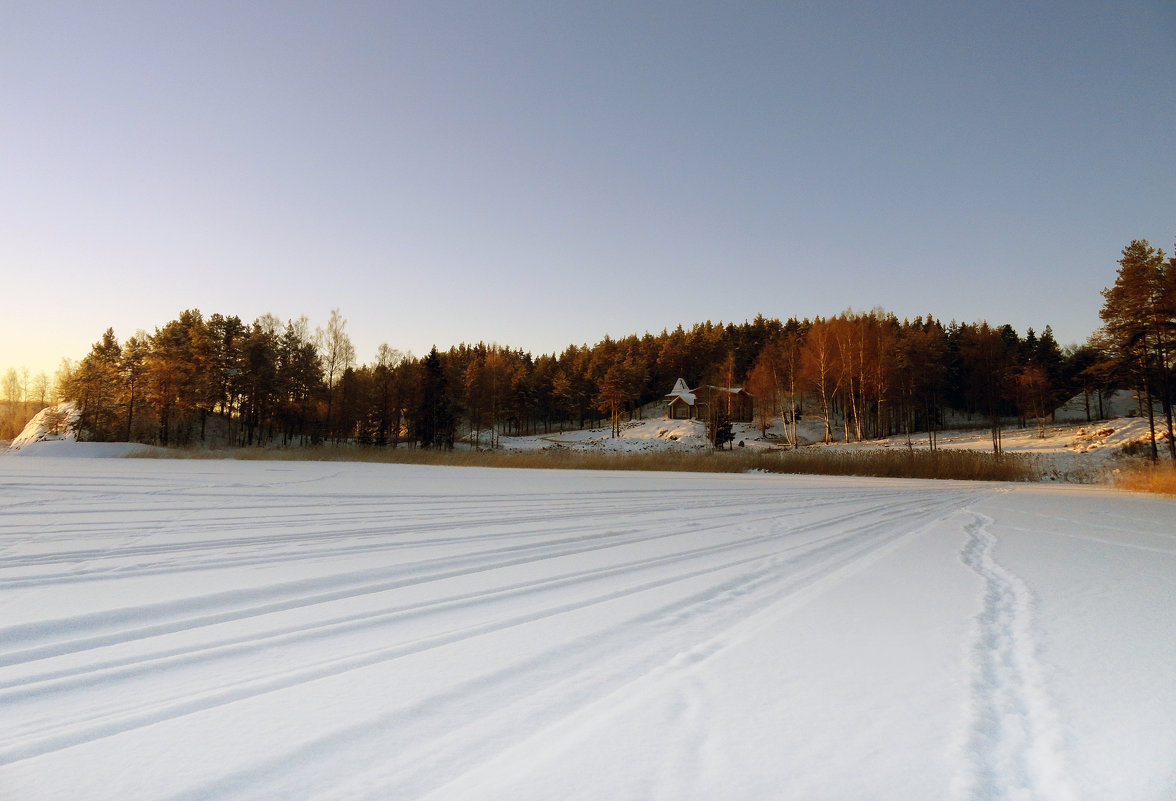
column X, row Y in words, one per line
column 1159, row 479
column 940, row 464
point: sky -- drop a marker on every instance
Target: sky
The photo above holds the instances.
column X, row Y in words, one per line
column 544, row 174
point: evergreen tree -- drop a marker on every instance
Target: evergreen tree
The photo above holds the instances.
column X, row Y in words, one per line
column 95, row 386
column 985, row 358
column 384, row 395
column 299, row 383
column 435, row 422
column 133, row 370
column 718, row 427
column 1139, row 319
column 612, row 396
column 259, row 388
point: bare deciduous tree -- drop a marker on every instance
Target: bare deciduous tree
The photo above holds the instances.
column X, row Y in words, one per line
column 338, row 355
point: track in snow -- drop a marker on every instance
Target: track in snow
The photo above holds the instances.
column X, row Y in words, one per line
column 1015, row 745
column 241, row 631
column 244, row 593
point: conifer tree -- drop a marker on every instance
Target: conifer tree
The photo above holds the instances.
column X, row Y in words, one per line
column 985, row 357
column 612, row 397
column 1139, row 318
column 95, row 387
column 133, row 369
column 435, row 423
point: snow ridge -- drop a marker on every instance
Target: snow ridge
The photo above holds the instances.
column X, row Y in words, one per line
column 1014, row 746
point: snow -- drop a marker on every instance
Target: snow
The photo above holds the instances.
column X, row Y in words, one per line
column 52, row 432
column 71, row 449
column 637, row 436
column 1079, row 453
column 1120, row 403
column 51, row 424
column 1073, row 452
column 203, row 629
column 681, row 390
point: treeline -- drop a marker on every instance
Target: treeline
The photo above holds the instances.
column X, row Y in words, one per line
column 199, row 379
column 863, row 374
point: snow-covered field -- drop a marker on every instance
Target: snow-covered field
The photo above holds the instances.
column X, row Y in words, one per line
column 276, row 630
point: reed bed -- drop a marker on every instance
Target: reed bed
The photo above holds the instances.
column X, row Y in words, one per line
column 939, row 464
column 1159, row 479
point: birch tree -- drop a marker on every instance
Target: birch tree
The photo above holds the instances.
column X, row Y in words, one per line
column 818, row 360
column 338, row 355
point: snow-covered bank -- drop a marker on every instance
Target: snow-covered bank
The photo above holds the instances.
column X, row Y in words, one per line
column 240, row 630
column 53, row 432
column 70, row 449
column 1072, row 452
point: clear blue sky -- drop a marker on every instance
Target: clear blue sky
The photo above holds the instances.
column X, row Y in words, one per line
column 541, row 174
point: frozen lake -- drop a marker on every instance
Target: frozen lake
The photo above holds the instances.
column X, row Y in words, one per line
column 244, row 630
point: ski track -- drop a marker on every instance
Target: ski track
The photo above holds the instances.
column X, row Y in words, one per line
column 476, row 566
column 1015, row 745
column 555, row 684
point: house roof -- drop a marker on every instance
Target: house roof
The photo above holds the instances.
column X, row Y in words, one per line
column 729, row 390
column 682, row 391
column 688, row 396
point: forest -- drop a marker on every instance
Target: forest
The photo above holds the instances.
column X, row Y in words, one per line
column 217, row 380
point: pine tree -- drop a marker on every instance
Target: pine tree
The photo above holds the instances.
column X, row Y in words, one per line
column 133, row 369
column 94, row 386
column 435, row 425
column 985, row 355
column 612, row 397
column 1139, row 318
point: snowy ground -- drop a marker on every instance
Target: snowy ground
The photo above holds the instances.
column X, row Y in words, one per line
column 1068, row 451
column 1078, row 453
column 248, row 630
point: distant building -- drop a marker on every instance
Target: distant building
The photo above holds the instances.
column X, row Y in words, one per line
column 696, row 404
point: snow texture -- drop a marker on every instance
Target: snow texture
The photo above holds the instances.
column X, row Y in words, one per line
column 256, row 630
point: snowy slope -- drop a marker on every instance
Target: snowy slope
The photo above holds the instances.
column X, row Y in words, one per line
column 246, row 630
column 51, row 424
column 1079, row 452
